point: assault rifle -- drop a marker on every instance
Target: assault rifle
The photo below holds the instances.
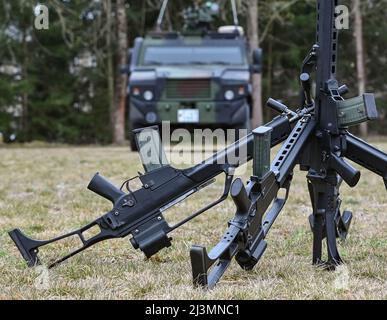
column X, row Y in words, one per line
column 319, row 142
column 140, row 213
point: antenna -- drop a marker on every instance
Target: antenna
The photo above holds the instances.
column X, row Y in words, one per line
column 235, row 13
column 161, row 15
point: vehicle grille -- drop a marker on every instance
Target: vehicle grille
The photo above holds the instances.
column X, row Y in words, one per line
column 188, row 89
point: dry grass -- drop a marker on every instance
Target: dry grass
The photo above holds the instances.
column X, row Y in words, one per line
column 43, row 192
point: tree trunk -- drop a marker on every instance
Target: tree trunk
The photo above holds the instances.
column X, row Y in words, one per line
column 25, row 111
column 109, row 64
column 361, row 75
column 253, row 33
column 267, row 111
column 121, row 78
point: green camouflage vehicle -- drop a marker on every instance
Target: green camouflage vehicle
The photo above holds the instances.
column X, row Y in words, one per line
column 192, row 80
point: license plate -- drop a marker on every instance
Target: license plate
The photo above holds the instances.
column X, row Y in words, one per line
column 188, row 116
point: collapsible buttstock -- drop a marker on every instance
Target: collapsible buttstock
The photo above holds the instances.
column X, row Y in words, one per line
column 200, row 266
column 27, row 247
column 219, row 259
column 202, row 262
column 104, row 188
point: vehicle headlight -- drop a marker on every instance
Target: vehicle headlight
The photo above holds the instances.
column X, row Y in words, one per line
column 148, row 95
column 241, row 91
column 229, row 95
column 136, row 91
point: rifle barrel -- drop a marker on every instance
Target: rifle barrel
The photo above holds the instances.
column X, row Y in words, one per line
column 233, row 155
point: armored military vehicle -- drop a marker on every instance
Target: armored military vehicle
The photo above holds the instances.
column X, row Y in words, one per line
column 196, row 78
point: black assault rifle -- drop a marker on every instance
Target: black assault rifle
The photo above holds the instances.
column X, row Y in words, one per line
column 319, row 142
column 140, row 213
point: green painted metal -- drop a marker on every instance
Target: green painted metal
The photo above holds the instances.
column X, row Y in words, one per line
column 354, row 111
column 262, row 147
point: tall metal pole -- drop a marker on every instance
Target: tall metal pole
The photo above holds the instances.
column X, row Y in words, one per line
column 235, row 12
column 161, row 15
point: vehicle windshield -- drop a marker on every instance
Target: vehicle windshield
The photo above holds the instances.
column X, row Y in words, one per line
column 189, row 55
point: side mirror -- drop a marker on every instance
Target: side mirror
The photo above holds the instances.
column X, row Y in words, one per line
column 257, row 61
column 130, row 54
column 125, row 69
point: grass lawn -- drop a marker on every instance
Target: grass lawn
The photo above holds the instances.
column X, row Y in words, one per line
column 43, row 192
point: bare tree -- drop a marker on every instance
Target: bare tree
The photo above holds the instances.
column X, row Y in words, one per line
column 361, row 75
column 121, row 78
column 25, row 97
column 253, row 34
column 109, row 63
